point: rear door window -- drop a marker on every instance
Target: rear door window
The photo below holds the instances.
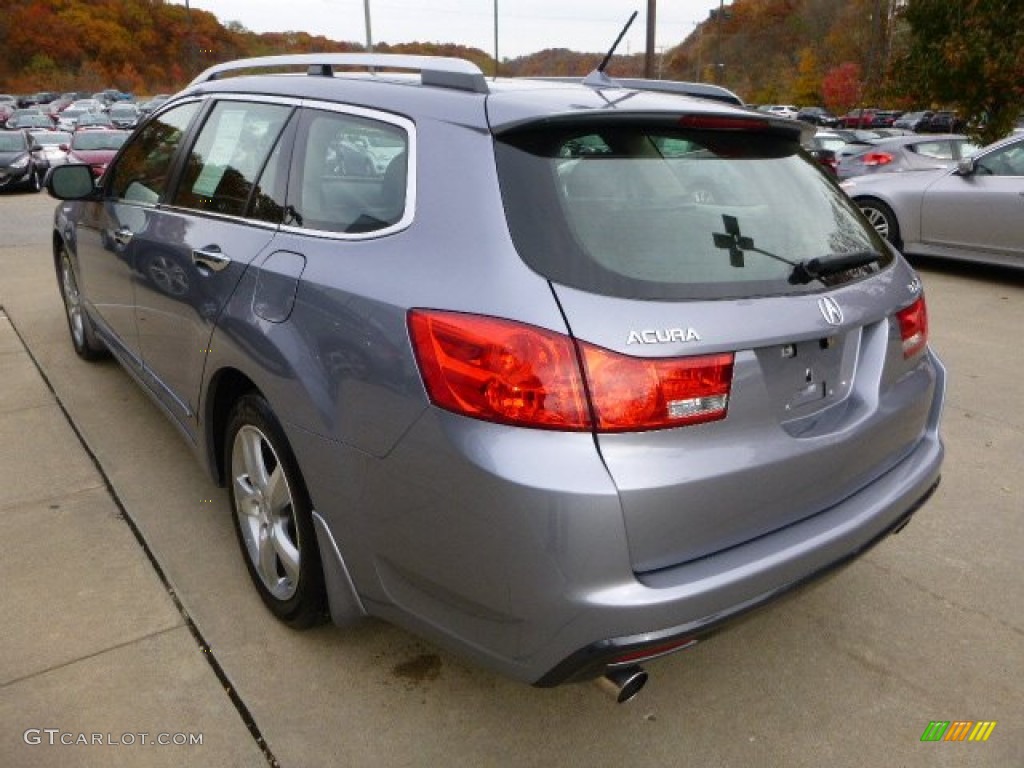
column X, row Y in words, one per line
column 655, row 212
column 229, row 155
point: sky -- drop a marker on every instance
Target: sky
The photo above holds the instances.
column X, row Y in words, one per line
column 524, row 26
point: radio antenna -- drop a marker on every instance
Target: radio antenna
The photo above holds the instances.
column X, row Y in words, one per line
column 598, row 77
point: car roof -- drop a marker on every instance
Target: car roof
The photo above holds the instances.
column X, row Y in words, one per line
column 457, row 89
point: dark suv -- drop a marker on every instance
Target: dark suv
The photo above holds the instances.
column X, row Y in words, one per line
column 561, row 376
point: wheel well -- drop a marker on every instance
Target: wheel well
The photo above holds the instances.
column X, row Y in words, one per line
column 226, row 388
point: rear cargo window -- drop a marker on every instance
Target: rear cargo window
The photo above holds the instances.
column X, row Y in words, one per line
column 661, row 213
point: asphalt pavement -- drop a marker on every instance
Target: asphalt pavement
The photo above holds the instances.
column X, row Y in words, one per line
column 132, row 637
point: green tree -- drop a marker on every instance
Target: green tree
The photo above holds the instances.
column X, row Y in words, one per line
column 968, row 54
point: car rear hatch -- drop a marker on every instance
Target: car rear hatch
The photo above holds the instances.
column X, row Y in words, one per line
column 753, row 352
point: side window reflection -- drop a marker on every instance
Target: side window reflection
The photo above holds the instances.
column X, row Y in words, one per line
column 350, row 174
column 142, row 172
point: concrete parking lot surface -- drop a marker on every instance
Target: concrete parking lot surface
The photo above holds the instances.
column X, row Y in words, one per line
column 127, row 609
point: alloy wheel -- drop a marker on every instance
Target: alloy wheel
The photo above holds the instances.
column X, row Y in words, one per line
column 265, row 510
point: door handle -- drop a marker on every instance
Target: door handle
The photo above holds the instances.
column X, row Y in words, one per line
column 210, row 257
column 123, row 236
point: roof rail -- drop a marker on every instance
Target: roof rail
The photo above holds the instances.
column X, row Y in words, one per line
column 440, row 71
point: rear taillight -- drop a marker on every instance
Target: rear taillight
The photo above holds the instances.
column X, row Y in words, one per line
column 508, row 372
column 877, row 158
column 497, row 370
column 633, row 393
column 913, row 327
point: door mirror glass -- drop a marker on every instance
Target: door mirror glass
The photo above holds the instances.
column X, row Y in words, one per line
column 71, row 182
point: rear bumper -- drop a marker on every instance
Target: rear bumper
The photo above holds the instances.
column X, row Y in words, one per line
column 596, row 659
column 508, row 546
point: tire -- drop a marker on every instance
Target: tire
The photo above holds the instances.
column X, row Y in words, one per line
column 83, row 338
column 881, row 217
column 272, row 515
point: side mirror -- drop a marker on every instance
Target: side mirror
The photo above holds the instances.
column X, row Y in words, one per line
column 71, row 182
column 965, row 166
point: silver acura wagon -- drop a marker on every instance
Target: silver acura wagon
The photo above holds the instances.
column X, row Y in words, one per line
column 562, row 376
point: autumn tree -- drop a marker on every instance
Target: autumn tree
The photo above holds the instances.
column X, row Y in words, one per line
column 968, row 54
column 807, row 87
column 841, row 88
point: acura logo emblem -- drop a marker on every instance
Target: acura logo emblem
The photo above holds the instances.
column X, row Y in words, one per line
column 830, row 310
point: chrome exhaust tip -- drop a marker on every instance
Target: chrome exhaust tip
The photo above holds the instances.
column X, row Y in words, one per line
column 623, row 683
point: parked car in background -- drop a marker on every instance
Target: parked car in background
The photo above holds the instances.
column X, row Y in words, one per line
column 912, row 121
column 88, row 105
column 903, row 153
column 54, row 146
column 95, row 148
column 862, row 135
column 782, row 110
column 68, row 119
column 857, row 118
column 944, row 121
column 150, row 104
column 35, row 122
column 885, row 118
column 971, row 211
column 817, row 116
column 826, row 157
column 615, row 399
column 21, row 161
column 14, row 118
column 6, row 110
column 824, row 146
column 92, row 121
column 54, row 108
column 124, row 115
column 35, row 99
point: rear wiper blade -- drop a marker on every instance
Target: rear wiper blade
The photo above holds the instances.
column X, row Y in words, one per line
column 817, row 268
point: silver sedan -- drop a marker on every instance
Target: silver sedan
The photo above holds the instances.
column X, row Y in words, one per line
column 973, row 212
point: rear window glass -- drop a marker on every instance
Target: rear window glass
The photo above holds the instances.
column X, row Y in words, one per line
column 662, row 213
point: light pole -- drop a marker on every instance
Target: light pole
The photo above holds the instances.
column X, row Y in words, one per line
column 718, row 41
column 191, row 41
column 495, row 38
column 369, row 34
column 652, row 13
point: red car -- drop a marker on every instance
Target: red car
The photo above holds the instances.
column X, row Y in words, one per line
column 858, row 118
column 95, row 148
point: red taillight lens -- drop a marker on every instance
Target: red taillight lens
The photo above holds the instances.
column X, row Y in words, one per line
column 498, row 370
column 913, row 327
column 632, row 393
column 508, row 372
column 877, row 158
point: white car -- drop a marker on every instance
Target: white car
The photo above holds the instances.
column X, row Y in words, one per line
column 783, row 110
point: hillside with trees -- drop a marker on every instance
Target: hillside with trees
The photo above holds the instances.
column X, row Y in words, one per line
column 837, row 53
